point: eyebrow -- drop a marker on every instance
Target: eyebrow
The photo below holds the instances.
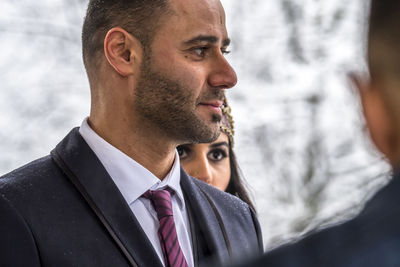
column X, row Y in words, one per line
column 219, row 144
column 207, row 38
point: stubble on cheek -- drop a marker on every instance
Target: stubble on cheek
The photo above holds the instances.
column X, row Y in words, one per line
column 171, row 106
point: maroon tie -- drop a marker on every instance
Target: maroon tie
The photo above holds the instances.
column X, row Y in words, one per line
column 161, row 200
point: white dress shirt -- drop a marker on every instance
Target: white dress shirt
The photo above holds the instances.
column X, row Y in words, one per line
column 132, row 179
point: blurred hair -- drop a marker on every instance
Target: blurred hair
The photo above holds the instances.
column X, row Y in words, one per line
column 384, row 52
column 236, row 184
column 384, row 38
column 141, row 18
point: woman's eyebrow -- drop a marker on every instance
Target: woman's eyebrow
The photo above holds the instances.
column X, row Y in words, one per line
column 219, row 144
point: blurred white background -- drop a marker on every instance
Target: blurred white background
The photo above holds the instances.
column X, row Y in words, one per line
column 299, row 132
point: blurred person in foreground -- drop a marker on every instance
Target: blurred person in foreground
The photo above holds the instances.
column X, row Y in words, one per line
column 372, row 239
column 112, row 192
column 215, row 163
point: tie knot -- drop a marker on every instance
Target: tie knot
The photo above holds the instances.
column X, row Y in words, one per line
column 161, row 201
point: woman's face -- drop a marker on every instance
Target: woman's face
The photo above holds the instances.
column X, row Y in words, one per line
column 208, row 162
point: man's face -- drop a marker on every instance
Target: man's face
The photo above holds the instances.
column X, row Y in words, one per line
column 183, row 78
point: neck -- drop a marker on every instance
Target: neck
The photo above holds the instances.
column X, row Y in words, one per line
column 146, row 146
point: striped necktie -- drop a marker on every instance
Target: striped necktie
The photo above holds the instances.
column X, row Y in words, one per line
column 161, row 201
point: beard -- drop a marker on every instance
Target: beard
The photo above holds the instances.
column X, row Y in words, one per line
column 169, row 106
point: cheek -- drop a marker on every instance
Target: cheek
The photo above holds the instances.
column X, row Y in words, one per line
column 191, row 77
column 189, row 165
column 222, row 175
column 176, row 67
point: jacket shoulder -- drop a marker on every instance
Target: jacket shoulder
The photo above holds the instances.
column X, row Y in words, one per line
column 370, row 239
column 239, row 220
column 26, row 174
column 16, row 238
column 221, row 199
column 18, row 190
column 32, row 183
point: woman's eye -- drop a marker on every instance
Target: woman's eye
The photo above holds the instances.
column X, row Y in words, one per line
column 217, row 155
column 182, row 152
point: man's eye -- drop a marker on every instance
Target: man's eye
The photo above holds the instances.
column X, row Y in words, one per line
column 217, row 155
column 200, row 51
column 225, row 52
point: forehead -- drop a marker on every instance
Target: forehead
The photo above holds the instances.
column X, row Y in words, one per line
column 200, row 15
column 205, row 147
column 222, row 138
column 208, row 9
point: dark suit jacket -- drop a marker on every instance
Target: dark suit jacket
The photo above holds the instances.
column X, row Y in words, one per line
column 65, row 210
column 372, row 239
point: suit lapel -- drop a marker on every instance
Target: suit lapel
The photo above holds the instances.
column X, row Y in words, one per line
column 203, row 216
column 90, row 177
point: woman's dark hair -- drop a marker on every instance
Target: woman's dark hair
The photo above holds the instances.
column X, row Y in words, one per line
column 236, row 184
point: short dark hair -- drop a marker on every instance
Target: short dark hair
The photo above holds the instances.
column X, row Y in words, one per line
column 140, row 18
column 384, row 39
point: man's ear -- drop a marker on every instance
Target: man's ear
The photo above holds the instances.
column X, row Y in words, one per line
column 378, row 118
column 123, row 51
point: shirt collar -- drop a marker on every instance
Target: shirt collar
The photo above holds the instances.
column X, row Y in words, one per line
column 131, row 178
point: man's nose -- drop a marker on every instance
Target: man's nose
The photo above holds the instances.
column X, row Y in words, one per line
column 222, row 74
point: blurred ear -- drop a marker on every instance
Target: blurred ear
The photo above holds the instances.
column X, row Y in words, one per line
column 378, row 118
column 123, row 51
